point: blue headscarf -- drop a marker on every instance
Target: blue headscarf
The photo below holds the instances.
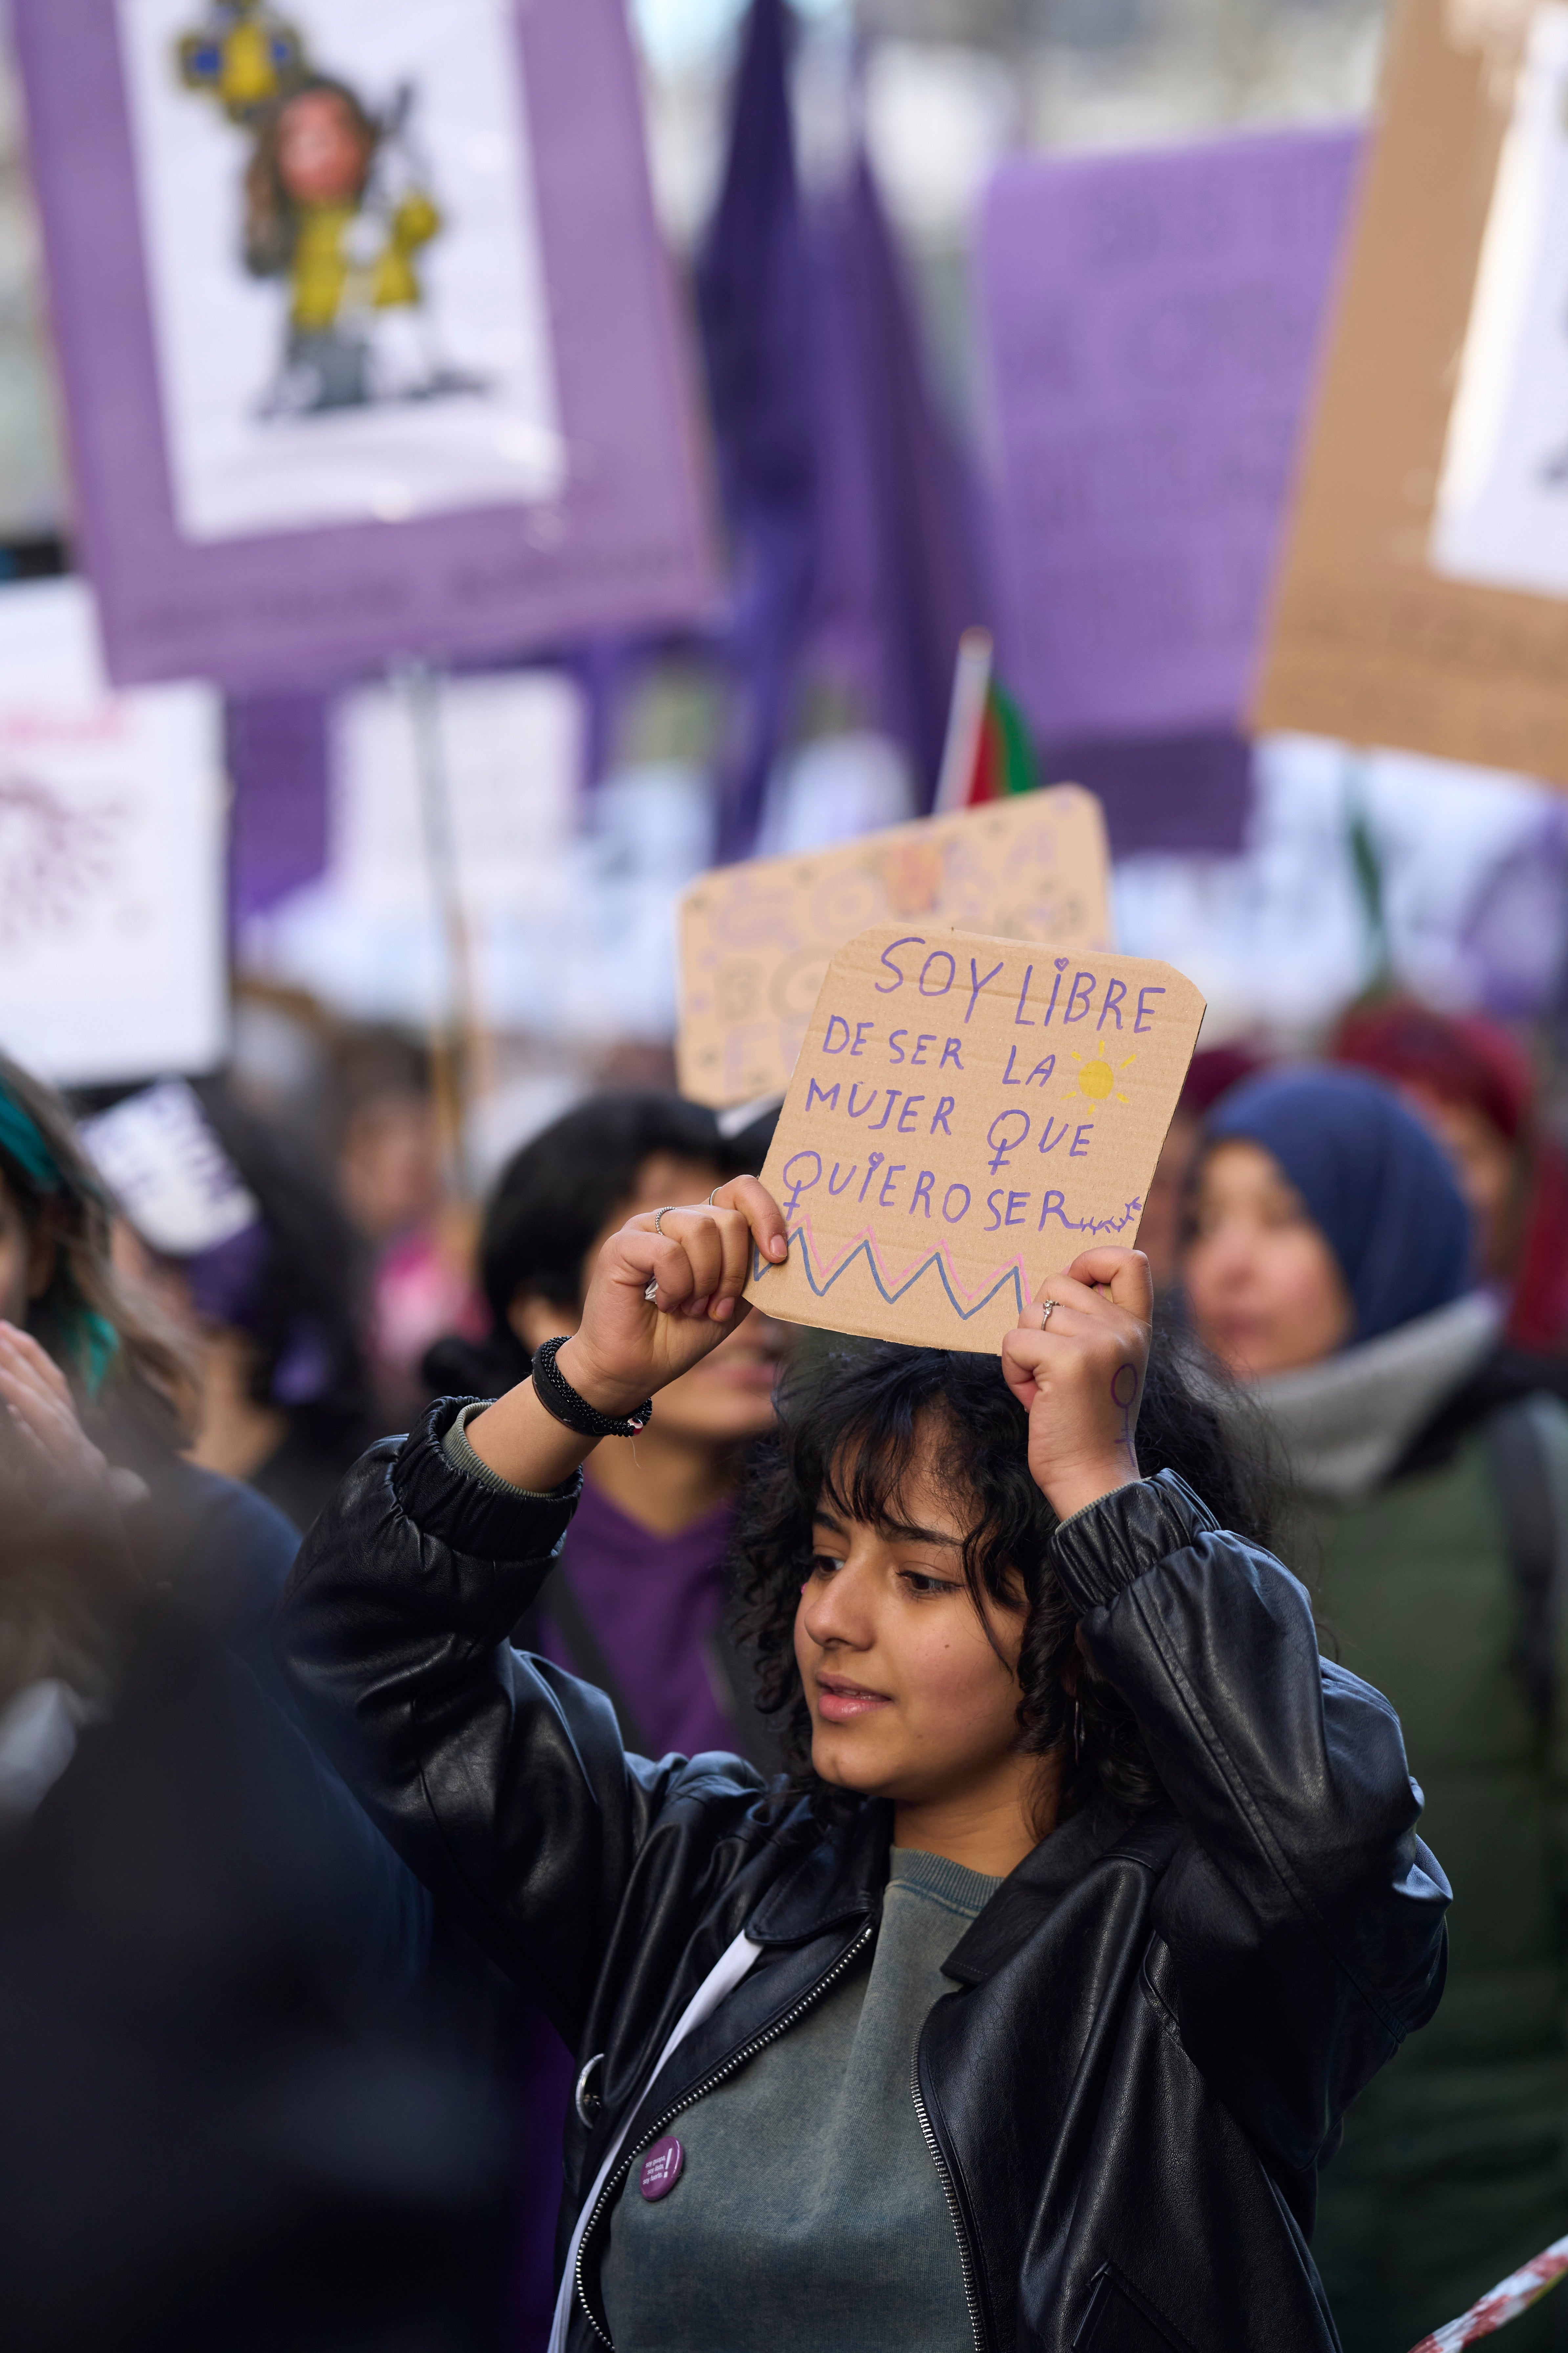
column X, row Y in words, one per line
column 1372, row 1180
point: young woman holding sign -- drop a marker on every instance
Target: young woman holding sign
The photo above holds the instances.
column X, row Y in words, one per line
column 1026, row 2010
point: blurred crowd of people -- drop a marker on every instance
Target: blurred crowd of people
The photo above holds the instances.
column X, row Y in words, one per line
column 247, row 2063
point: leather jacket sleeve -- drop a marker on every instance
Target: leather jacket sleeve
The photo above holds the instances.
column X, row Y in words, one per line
column 1301, row 1925
column 500, row 1779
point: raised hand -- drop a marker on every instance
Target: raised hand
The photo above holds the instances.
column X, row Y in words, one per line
column 695, row 1261
column 665, row 1290
column 58, row 1457
column 1077, row 1360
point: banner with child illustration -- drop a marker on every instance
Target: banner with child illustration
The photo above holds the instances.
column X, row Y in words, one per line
column 370, row 275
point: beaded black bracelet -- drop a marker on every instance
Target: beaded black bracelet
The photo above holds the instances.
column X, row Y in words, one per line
column 557, row 1396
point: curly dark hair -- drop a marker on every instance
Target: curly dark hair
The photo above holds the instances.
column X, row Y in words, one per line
column 852, row 1426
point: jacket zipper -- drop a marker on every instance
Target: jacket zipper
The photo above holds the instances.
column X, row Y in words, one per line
column 748, row 2051
column 965, row 2260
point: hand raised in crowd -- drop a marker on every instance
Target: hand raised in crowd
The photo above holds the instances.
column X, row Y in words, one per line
column 695, row 1261
column 665, row 1290
column 61, row 1467
column 1077, row 1360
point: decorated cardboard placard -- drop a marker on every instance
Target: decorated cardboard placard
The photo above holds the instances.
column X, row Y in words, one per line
column 966, row 1115
column 1422, row 597
column 755, row 939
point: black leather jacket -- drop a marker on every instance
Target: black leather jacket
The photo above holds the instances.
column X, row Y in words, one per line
column 1158, row 2021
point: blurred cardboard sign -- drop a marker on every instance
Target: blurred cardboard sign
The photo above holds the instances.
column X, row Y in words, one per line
column 112, row 955
column 1371, row 641
column 755, row 939
column 966, row 1115
column 1151, row 322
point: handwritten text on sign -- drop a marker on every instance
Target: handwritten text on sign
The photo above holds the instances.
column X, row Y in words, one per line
column 755, row 938
column 966, row 1115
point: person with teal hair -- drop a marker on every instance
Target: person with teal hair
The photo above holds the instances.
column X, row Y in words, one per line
column 94, row 1379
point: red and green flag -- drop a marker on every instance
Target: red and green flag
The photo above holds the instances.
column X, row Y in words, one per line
column 990, row 755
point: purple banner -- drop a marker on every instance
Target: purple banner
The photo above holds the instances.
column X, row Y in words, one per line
column 368, row 340
column 1151, row 323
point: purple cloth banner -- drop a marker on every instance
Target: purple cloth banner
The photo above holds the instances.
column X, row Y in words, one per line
column 1151, row 323
column 1189, row 791
column 461, row 426
column 279, row 758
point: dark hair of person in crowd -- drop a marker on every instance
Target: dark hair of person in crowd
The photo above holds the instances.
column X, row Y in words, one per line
column 302, row 1311
column 111, row 1351
column 552, row 1201
column 850, row 1426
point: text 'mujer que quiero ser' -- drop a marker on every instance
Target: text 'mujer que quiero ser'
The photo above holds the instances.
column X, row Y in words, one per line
column 967, row 1115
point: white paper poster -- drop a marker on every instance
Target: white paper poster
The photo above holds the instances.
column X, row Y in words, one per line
column 1501, row 516
column 511, row 749
column 348, row 293
column 111, row 844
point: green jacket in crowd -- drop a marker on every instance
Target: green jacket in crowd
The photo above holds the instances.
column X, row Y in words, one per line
column 1434, row 1472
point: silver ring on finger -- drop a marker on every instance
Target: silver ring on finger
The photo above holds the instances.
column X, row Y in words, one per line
column 651, row 1293
column 659, row 1217
column 723, row 1180
column 1047, row 1312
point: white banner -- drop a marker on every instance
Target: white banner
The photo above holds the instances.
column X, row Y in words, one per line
column 111, row 834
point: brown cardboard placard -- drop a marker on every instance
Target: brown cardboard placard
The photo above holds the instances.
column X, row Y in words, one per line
column 966, row 1115
column 755, row 939
column 1369, row 641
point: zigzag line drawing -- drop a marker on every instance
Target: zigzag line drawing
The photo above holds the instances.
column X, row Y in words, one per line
column 1100, row 1225
column 865, row 1248
column 822, row 1283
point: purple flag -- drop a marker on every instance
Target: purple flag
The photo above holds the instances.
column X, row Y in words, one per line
column 899, row 577
column 850, row 516
column 755, row 303
column 1151, row 322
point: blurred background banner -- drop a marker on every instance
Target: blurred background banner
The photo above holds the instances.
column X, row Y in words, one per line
column 111, row 855
column 1150, row 322
column 394, row 348
column 1382, row 634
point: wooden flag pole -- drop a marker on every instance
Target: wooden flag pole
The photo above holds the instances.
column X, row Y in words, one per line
column 454, row 1023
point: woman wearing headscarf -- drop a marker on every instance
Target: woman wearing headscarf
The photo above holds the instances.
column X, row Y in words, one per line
column 1473, row 1087
column 1330, row 1265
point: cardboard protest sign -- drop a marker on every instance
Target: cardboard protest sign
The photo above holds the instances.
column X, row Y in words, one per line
column 366, row 332
column 967, row 1114
column 755, row 939
column 1402, row 613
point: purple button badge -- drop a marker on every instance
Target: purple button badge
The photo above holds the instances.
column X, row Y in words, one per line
column 661, row 2168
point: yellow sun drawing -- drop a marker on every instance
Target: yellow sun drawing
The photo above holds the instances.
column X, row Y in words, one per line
column 1097, row 1079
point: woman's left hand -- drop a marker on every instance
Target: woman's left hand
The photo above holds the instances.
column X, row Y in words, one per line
column 1077, row 1360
